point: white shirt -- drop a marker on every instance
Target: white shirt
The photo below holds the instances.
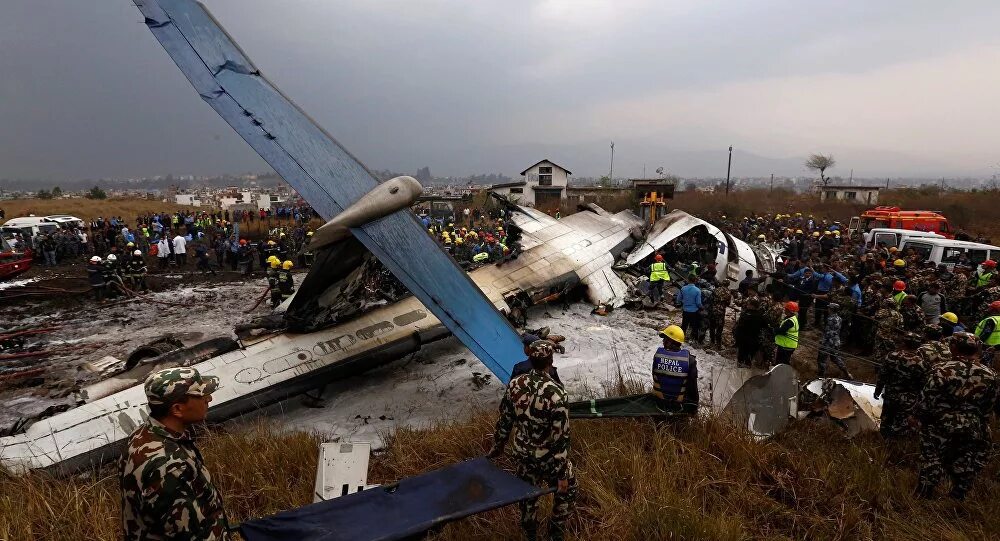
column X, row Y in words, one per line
column 179, row 245
column 163, row 248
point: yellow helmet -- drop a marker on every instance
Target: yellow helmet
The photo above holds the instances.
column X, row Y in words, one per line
column 798, row 231
column 899, row 263
column 287, row 265
column 950, row 316
column 274, row 261
column 674, row 333
column 309, row 234
column 815, row 233
column 271, row 243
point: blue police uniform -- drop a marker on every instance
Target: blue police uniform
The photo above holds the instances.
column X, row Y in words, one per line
column 675, row 379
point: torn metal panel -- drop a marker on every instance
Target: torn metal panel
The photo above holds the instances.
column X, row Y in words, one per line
column 735, row 257
column 725, row 383
column 852, row 405
column 342, row 469
column 766, row 402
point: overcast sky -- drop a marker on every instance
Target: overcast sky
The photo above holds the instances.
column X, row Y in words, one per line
column 893, row 87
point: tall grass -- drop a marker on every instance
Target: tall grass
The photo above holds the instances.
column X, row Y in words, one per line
column 640, row 480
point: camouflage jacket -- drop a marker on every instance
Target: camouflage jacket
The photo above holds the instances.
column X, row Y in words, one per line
column 958, row 396
column 890, row 323
column 902, row 376
column 534, row 408
column 167, row 493
column 913, row 316
column 831, row 333
column 934, row 352
column 721, row 299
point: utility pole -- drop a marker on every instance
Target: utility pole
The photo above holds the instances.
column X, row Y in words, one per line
column 887, row 183
column 851, row 180
column 611, row 175
column 772, row 182
column 729, row 169
column 643, row 170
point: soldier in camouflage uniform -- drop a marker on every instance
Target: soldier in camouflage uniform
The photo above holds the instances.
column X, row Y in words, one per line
column 890, row 324
column 935, row 349
column 953, row 410
column 913, row 315
column 774, row 314
column 829, row 346
column 534, row 408
column 167, row 493
column 721, row 299
column 900, row 379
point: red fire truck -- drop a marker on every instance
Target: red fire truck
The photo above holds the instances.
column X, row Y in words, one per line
column 893, row 217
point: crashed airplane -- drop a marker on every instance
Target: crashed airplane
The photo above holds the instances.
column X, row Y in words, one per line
column 318, row 336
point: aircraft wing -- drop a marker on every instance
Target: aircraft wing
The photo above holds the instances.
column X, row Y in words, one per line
column 326, row 175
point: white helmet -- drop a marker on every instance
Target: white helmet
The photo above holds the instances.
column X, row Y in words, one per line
column 95, row 259
column 112, row 257
column 137, row 252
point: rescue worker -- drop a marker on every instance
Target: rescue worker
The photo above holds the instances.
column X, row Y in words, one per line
column 889, row 322
column 988, row 331
column 689, row 299
column 658, row 276
column 307, row 255
column 167, row 493
column 900, row 379
column 829, row 347
column 675, row 373
column 953, row 412
column 913, row 316
column 899, row 287
column 786, row 336
column 136, row 268
column 949, row 324
column 112, row 276
column 534, row 409
column 272, row 280
column 747, row 330
column 984, row 279
column 95, row 275
column 285, row 282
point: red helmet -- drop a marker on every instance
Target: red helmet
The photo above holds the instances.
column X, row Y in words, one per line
column 990, row 264
column 995, row 307
column 658, row 258
column 243, row 242
column 899, row 285
column 792, row 306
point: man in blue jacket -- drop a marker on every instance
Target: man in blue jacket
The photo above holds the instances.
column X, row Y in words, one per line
column 689, row 297
column 824, row 283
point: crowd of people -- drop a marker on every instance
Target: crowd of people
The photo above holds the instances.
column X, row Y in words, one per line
column 474, row 237
column 931, row 330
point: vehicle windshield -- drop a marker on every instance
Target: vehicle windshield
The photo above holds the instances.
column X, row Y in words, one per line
column 923, row 250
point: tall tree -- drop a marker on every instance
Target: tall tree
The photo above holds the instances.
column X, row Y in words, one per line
column 819, row 162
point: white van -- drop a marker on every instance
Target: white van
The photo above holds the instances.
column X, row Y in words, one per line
column 65, row 220
column 949, row 252
column 32, row 226
column 888, row 237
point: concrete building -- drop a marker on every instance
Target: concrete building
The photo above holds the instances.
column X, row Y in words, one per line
column 543, row 187
column 865, row 195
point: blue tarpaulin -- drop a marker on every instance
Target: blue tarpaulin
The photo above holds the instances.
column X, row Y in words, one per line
column 408, row 508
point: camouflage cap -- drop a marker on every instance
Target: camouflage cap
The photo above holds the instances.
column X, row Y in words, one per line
column 541, row 349
column 170, row 385
column 966, row 340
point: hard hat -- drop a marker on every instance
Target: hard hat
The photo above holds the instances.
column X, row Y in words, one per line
column 137, row 252
column 287, row 265
column 275, row 262
column 828, row 232
column 836, row 233
column 673, row 332
column 798, row 231
column 243, row 242
column 990, row 264
column 792, row 306
column 798, row 214
column 112, row 257
column 309, row 234
column 899, row 285
column 130, row 245
column 893, row 249
column 995, row 307
column 459, row 240
column 950, row 317
column 271, row 243
column 815, row 233
column 282, row 235
column 271, row 258
column 761, row 236
column 95, row 259
column 899, row 263
column 658, row 257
